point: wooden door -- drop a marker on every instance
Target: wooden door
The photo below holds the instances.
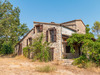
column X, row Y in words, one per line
column 52, row 54
column 20, row 49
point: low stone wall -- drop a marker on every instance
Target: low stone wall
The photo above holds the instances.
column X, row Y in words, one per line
column 70, row 55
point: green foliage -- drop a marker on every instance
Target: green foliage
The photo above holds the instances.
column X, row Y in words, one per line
column 92, row 50
column 87, row 29
column 96, row 28
column 10, row 27
column 39, row 48
column 45, row 69
column 6, row 48
column 78, row 39
column 81, row 61
column 89, row 47
column 98, row 39
column 25, row 51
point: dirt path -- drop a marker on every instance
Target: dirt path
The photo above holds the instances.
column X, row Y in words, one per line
column 17, row 66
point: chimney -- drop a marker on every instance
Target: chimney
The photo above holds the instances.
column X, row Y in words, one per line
column 52, row 22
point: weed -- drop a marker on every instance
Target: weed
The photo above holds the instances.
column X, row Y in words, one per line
column 46, row 68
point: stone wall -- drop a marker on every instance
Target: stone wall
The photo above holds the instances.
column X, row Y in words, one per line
column 80, row 27
column 56, row 45
column 59, row 48
column 67, row 31
column 24, row 41
column 71, row 24
column 77, row 25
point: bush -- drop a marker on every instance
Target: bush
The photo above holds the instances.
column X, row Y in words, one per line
column 45, row 69
column 90, row 64
column 25, row 51
column 81, row 59
column 6, row 48
column 92, row 50
column 83, row 62
column 39, row 48
column 88, row 46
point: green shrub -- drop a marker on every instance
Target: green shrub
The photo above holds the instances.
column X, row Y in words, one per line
column 39, row 48
column 25, row 51
column 92, row 50
column 88, row 46
column 81, row 59
column 6, row 48
column 83, row 62
column 90, row 64
column 45, row 69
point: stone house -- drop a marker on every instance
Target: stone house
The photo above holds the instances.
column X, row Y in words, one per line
column 56, row 34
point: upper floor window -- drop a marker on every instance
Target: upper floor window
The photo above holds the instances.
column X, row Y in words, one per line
column 51, row 35
column 29, row 41
column 38, row 28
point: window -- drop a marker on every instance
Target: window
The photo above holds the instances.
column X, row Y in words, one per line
column 67, row 49
column 30, row 40
column 38, row 29
column 52, row 35
column 34, row 30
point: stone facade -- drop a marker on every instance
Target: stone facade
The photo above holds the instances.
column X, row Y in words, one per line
column 78, row 25
column 58, row 46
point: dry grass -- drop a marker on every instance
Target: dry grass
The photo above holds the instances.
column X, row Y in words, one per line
column 95, row 69
column 46, row 69
column 58, row 62
column 21, row 58
column 23, row 66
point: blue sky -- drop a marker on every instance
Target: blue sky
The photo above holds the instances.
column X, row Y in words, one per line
column 58, row 11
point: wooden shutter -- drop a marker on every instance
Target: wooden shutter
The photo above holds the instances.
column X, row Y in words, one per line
column 34, row 30
column 55, row 38
column 47, row 35
column 41, row 28
column 27, row 42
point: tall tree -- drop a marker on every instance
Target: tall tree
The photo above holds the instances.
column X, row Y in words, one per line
column 10, row 27
column 96, row 28
column 87, row 28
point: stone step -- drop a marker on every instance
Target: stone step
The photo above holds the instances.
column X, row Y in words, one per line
column 67, row 61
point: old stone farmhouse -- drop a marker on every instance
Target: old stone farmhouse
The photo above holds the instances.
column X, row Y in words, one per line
column 55, row 33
